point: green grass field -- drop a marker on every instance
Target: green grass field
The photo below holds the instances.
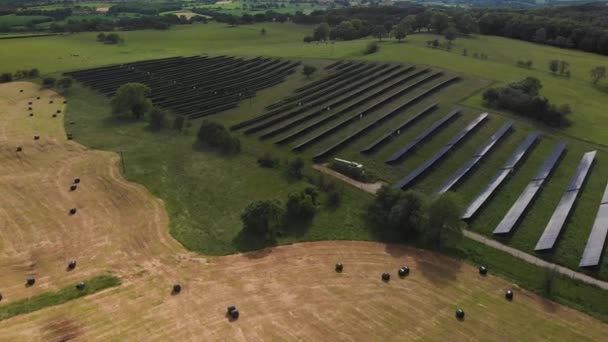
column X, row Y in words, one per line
column 20, row 20
column 205, row 193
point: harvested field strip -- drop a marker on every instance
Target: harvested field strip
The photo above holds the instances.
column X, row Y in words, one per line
column 301, row 146
column 367, row 98
column 64, row 295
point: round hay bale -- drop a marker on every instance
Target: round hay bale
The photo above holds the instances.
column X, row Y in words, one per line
column 509, row 295
column 29, row 103
column 38, row 98
column 58, row 111
column 31, row 114
column 19, row 149
column 73, row 187
column 234, row 314
column 404, row 271
column 177, row 288
column 386, row 276
column 460, row 313
column 72, row 264
column 30, row 280
column 73, row 211
column 36, row 137
column 80, row 286
column 29, row 108
column 50, row 102
column 483, row 270
column 21, row 90
column 76, row 180
column 54, row 115
column 65, row 101
column 339, row 267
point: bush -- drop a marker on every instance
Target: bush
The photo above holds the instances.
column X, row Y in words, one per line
column 262, row 218
column 300, row 205
column 372, row 47
column 6, row 77
column 101, row 37
column 308, row 70
column 64, row 83
column 268, row 160
column 294, row 168
column 158, row 118
column 308, row 39
column 132, row 97
column 33, row 73
column 522, row 98
column 217, row 136
column 48, row 82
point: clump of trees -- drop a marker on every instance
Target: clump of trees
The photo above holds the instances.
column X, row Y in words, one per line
column 133, row 98
column 64, row 84
column 19, row 74
column 523, row 99
column 525, row 64
column 308, row 70
column 49, row 82
column 295, row 168
column 215, row 135
column 111, row 38
column 558, row 66
column 416, row 217
column 302, row 205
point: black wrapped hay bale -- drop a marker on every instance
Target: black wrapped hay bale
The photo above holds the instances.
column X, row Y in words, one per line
column 36, row 137
column 31, row 114
column 460, row 313
column 30, row 280
column 230, row 309
column 73, row 187
column 58, row 111
column 234, row 314
column 509, row 295
column 19, row 149
column 21, row 90
column 404, row 271
column 73, row 211
column 72, row 264
column 483, row 270
column 386, row 276
column 177, row 288
column 76, row 180
column 29, row 108
column 339, row 267
column 38, row 98
column 50, row 102
column 80, row 286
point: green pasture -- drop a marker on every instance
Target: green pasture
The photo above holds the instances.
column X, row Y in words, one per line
column 53, row 54
column 20, row 20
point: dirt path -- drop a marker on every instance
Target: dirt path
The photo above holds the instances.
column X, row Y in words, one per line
column 367, row 187
column 283, row 293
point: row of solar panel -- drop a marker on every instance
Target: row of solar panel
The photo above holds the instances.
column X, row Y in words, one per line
column 411, row 177
column 597, row 237
column 422, row 136
column 479, row 154
column 516, row 212
column 556, row 223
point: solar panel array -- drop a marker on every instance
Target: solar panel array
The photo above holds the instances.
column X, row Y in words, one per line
column 556, row 223
column 422, row 136
column 514, row 214
column 397, row 130
column 597, row 237
column 479, row 154
column 411, row 177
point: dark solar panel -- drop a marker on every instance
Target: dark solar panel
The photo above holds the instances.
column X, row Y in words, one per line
column 597, row 238
column 518, row 208
column 486, row 193
column 500, row 176
column 521, row 151
column 397, row 130
column 405, row 181
column 548, row 165
column 426, row 133
column 467, row 129
column 479, row 154
column 556, row 223
column 581, row 171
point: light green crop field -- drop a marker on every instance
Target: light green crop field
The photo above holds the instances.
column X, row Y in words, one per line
column 20, row 20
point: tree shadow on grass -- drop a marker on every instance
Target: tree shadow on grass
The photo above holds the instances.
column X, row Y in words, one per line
column 120, row 120
column 201, row 147
column 295, row 228
column 250, row 242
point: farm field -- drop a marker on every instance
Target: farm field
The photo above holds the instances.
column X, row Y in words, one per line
column 122, row 229
column 285, row 40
